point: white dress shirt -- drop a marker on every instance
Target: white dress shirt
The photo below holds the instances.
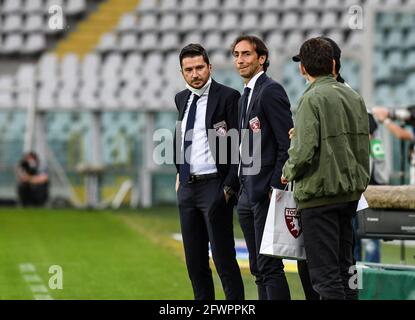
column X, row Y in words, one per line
column 251, row 85
column 201, row 159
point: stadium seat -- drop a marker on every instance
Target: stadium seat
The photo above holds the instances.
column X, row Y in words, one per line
column 90, row 66
column 88, row 98
column 294, row 5
column 34, row 23
column 269, row 21
column 13, row 43
column 149, row 41
column 208, row 5
column 33, row 6
column 407, row 20
column 410, row 41
column 168, row 21
column 148, row 22
column 219, row 58
column 290, row 21
column 12, row 23
column 209, row 22
column 188, row 22
column 146, row 6
column 310, row 20
column 334, row 5
column 35, row 43
column 355, row 40
column 12, row 6
column 128, row 99
column 168, row 6
column 46, row 99
column 66, row 98
column 272, row 5
column 169, row 41
column 395, row 39
column 191, row 6
column 26, row 75
column 75, row 7
column 213, row 41
column 128, row 22
column 249, row 21
column 131, row 66
column 229, row 22
column 336, row 35
column 128, row 42
column 50, row 3
column 108, row 42
column 329, row 20
column 253, row 6
column 294, row 41
column 229, row 39
column 232, row 5
column 315, row 5
column 410, row 61
column 192, row 37
column 275, row 40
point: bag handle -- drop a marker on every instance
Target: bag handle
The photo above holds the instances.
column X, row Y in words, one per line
column 289, row 185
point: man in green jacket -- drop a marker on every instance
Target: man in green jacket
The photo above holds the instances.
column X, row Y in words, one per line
column 329, row 162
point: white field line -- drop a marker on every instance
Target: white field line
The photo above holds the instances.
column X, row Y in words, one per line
column 34, row 281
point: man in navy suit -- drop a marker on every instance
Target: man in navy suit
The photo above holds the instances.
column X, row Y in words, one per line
column 207, row 181
column 264, row 113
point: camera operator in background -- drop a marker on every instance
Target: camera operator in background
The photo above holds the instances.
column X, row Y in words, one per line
column 32, row 183
column 407, row 116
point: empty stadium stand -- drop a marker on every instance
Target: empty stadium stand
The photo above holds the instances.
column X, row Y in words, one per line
column 122, row 56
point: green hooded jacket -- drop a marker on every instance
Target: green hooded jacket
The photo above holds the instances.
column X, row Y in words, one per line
column 329, row 153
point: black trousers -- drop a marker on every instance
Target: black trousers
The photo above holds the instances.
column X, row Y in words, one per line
column 205, row 218
column 268, row 271
column 328, row 239
column 33, row 194
column 309, row 292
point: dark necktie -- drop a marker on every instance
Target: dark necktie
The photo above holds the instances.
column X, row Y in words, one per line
column 244, row 100
column 187, row 143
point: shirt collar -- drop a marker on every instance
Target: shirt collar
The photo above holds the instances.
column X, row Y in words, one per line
column 203, row 90
column 251, row 83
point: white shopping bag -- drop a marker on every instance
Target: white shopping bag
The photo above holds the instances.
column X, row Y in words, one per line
column 283, row 235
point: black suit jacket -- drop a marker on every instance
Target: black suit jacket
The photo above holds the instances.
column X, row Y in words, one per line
column 269, row 110
column 222, row 108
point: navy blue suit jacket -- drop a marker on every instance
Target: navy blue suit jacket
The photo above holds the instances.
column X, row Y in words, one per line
column 222, row 107
column 269, row 110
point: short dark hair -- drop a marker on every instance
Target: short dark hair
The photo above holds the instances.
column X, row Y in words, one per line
column 193, row 50
column 259, row 46
column 316, row 55
column 337, row 53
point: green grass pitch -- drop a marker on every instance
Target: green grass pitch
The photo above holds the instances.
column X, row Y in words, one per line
column 106, row 255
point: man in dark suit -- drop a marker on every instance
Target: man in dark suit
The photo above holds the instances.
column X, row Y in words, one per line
column 264, row 119
column 207, row 181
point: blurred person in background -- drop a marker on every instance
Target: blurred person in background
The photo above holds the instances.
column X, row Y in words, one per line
column 32, row 182
column 206, row 181
column 387, row 117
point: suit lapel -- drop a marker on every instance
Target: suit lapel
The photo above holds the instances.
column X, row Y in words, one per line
column 183, row 103
column 257, row 88
column 212, row 104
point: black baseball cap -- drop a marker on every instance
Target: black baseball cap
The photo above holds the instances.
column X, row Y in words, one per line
column 336, row 51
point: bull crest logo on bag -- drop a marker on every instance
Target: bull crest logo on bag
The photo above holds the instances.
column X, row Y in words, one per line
column 293, row 221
